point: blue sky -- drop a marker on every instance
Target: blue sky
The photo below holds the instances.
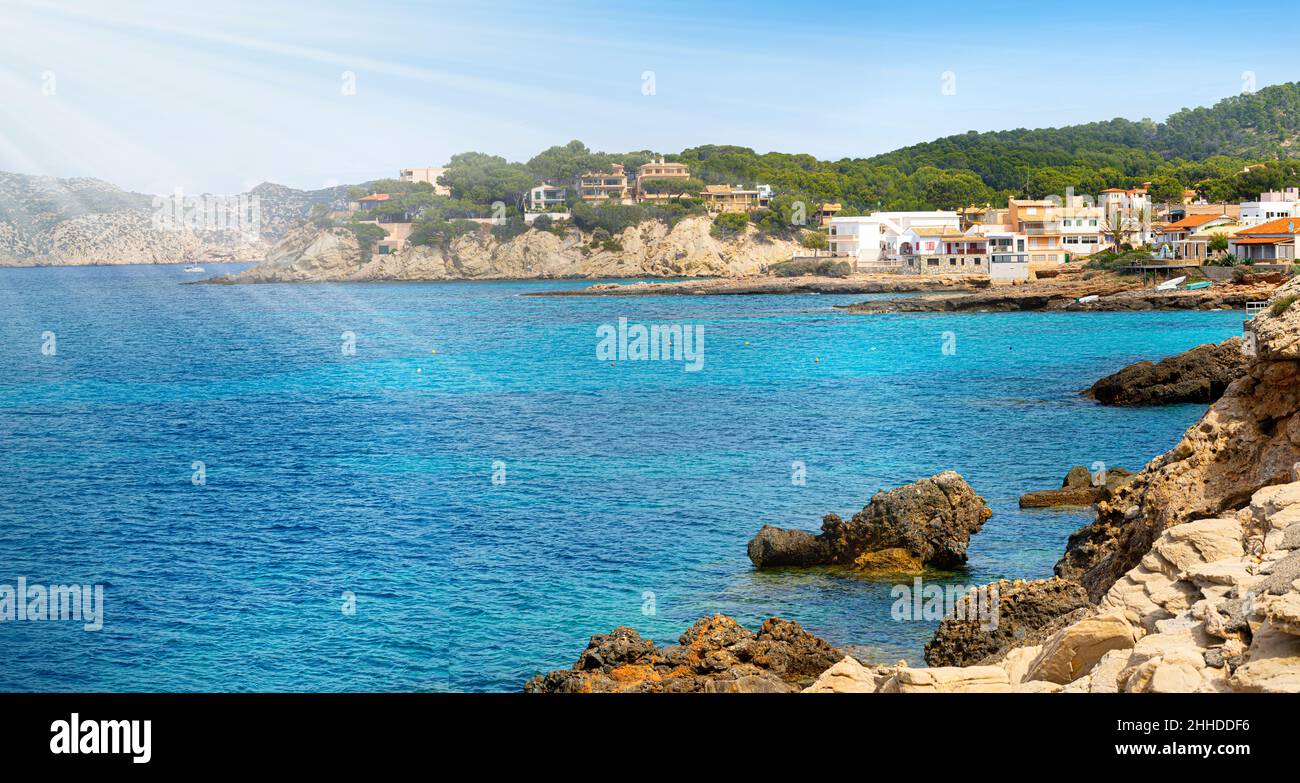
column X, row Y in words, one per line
column 218, row 96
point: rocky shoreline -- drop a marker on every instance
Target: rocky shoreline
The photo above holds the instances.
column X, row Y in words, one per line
column 1113, row 294
column 748, row 286
column 1201, row 375
column 1187, row 581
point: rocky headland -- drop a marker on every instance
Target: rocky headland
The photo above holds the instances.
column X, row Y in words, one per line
column 1187, row 581
column 1201, row 375
column 651, row 249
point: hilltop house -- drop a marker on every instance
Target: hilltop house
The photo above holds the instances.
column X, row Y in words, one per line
column 546, row 198
column 659, row 170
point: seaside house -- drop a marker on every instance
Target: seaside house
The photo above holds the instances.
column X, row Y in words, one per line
column 725, row 198
column 1175, row 235
column 1082, row 230
column 428, row 174
column 546, row 198
column 1008, row 256
column 1040, row 222
column 604, row 187
column 887, row 241
column 1271, row 243
column 1196, row 246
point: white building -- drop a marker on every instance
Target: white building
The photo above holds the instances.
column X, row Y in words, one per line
column 1271, row 206
column 877, row 240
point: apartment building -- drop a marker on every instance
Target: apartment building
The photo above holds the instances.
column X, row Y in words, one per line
column 660, row 170
column 1271, row 206
column 428, row 174
column 1040, row 222
column 1082, row 230
column 604, row 187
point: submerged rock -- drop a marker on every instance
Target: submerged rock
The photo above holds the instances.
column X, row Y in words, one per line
column 925, row 524
column 1199, row 375
column 716, row 655
column 1079, row 488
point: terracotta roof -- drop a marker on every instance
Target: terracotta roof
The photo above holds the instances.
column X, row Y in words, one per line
column 1194, row 221
column 375, row 197
column 1245, row 240
column 1286, row 225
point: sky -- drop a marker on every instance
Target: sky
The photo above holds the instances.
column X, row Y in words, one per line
column 220, row 96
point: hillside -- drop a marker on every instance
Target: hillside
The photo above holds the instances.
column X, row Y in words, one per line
column 50, row 220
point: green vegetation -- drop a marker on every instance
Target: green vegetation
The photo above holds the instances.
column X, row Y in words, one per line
column 1202, row 149
column 1283, row 304
column 367, row 235
column 1109, row 260
column 729, row 224
column 823, row 267
column 814, row 240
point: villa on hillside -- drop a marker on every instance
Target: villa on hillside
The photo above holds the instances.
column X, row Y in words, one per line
column 660, row 170
column 725, row 198
column 546, row 198
column 604, row 187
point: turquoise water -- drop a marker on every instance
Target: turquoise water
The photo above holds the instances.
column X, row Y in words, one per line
column 372, row 474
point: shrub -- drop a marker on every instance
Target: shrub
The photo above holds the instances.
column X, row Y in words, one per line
column 729, row 224
column 1283, row 304
column 367, row 235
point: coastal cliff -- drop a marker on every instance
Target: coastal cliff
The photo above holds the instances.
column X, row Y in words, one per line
column 651, row 249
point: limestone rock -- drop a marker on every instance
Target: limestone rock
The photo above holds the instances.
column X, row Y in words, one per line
column 1199, row 375
column 950, row 679
column 932, row 520
column 1271, row 665
column 1073, row 651
column 847, row 676
column 1026, row 613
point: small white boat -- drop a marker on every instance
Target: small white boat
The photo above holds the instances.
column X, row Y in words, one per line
column 193, row 269
column 1170, row 285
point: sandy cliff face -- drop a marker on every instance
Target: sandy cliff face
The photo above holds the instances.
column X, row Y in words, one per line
column 648, row 250
column 1249, row 439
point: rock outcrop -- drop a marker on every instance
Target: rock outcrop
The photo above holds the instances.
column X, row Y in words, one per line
column 651, row 249
column 926, row 524
column 716, row 655
column 1113, row 292
column 1249, row 438
column 1026, row 613
column 1080, row 488
column 1199, row 375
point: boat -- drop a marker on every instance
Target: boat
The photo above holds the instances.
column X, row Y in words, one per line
column 1170, row 285
column 1198, row 286
column 1088, row 298
column 193, row 269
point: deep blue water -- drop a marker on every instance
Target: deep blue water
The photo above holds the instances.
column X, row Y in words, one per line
column 372, row 474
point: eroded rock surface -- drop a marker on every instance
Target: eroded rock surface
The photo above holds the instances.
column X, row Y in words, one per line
column 930, row 522
column 1202, row 375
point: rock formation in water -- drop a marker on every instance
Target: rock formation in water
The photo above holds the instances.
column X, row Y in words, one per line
column 1199, row 375
column 1080, row 488
column 716, row 655
column 1026, row 613
column 651, row 249
column 1249, row 438
column 926, row 524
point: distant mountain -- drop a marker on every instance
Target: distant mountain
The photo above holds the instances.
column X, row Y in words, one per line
column 51, row 220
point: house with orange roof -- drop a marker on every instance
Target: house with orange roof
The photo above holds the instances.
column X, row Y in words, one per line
column 1271, row 242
